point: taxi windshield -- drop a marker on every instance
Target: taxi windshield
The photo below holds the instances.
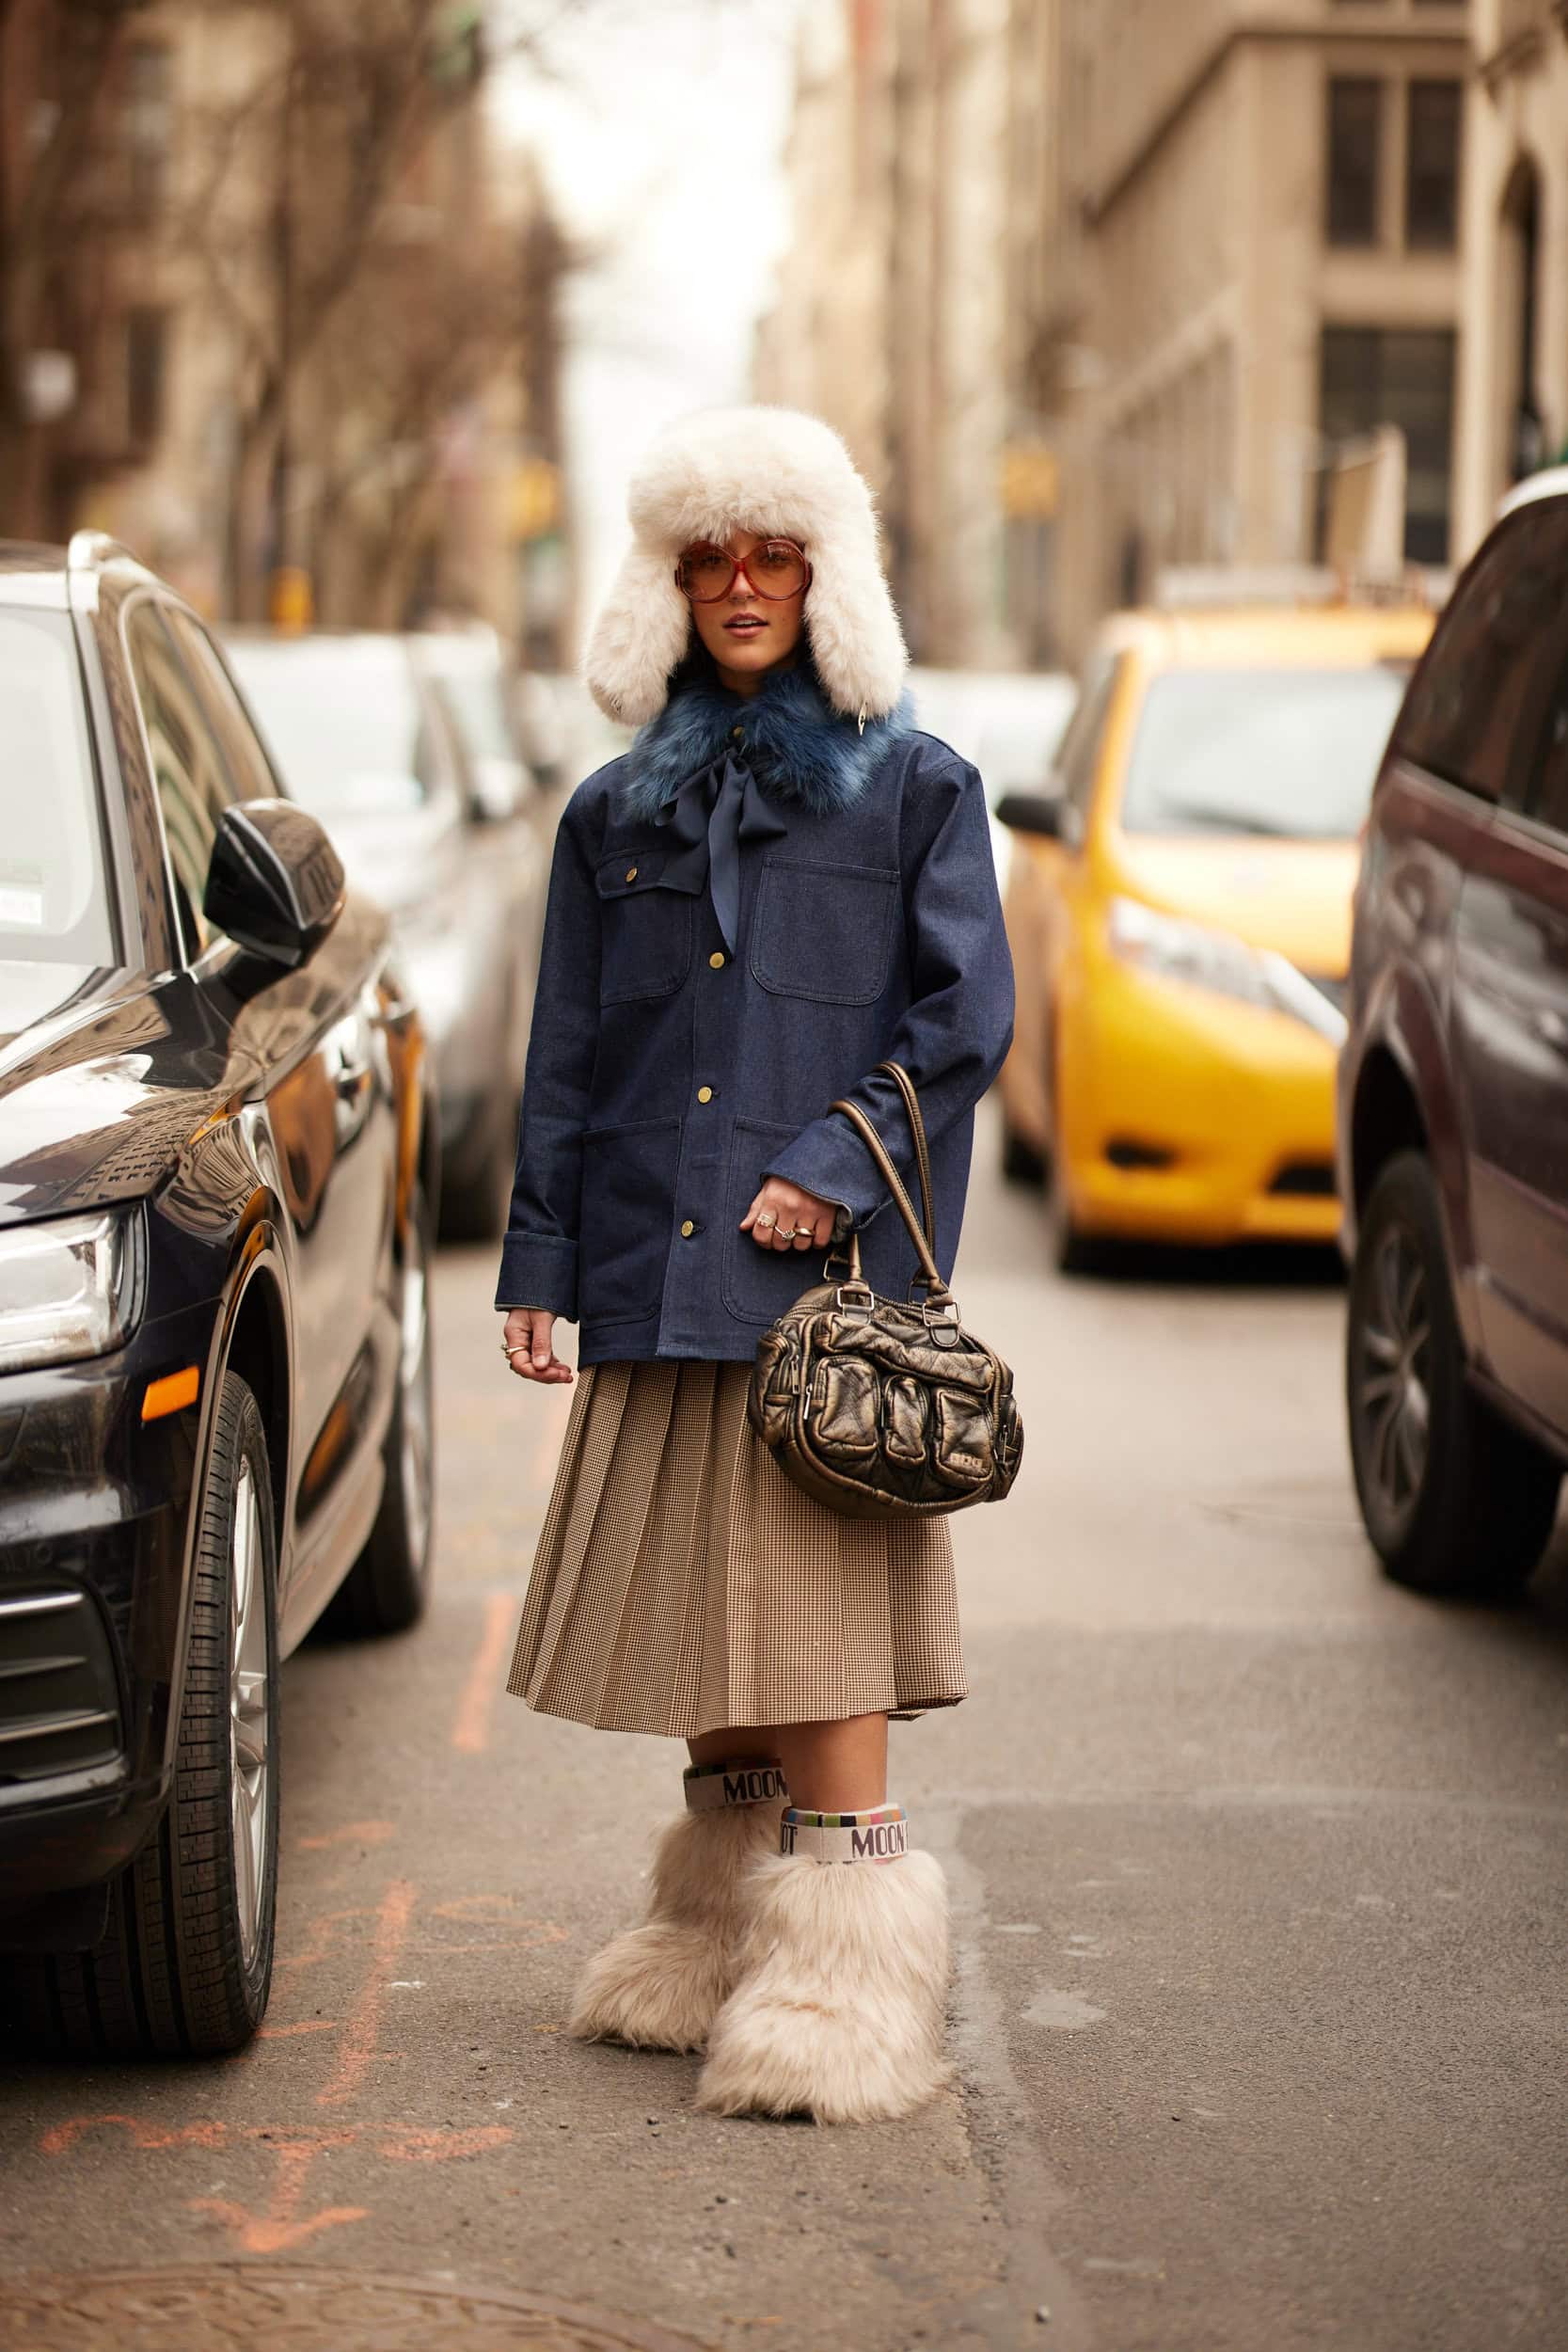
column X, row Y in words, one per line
column 1289, row 754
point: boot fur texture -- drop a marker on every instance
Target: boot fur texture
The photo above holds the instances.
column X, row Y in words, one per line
column 840, row 2009
column 660, row 1986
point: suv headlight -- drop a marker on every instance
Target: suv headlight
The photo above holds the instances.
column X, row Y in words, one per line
column 67, row 1288
column 1172, row 948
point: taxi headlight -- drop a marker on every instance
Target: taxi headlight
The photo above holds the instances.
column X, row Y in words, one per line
column 1170, row 948
column 66, row 1289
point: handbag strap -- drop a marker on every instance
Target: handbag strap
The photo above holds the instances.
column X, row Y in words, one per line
column 894, row 1184
column 905, row 1084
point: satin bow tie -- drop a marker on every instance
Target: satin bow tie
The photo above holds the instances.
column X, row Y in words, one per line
column 707, row 818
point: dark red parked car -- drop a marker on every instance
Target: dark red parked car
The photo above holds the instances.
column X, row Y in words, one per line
column 1453, row 1083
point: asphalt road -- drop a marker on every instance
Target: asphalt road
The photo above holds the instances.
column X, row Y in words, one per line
column 1259, row 1869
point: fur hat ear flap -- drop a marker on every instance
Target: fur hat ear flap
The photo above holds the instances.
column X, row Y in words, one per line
column 640, row 637
column 856, row 641
column 779, row 472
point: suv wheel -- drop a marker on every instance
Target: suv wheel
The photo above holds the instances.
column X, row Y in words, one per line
column 184, row 1966
column 1454, row 1499
column 387, row 1588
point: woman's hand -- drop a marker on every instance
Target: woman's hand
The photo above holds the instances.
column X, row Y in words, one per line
column 530, row 1331
column 784, row 1217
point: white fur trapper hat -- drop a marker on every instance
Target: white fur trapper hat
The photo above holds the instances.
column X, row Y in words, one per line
column 778, row 472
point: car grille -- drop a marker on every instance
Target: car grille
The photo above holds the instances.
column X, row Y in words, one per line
column 59, row 1694
column 1311, row 1180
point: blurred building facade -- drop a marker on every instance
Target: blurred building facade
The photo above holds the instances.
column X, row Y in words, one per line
column 1259, row 263
column 1514, row 375
column 1098, row 286
column 891, row 319
column 272, row 308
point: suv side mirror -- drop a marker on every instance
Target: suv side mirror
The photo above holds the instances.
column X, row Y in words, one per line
column 275, row 885
column 1031, row 812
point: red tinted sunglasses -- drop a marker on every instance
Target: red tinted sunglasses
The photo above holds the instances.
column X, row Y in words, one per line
column 776, row 570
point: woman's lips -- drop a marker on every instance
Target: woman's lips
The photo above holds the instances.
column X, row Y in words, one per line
column 745, row 625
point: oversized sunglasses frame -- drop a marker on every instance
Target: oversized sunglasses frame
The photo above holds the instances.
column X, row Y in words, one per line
column 737, row 564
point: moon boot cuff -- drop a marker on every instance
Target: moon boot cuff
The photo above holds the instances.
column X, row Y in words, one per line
column 742, row 1780
column 878, row 1835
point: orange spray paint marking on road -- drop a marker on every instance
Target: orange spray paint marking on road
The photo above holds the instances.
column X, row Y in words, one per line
column 282, row 2033
column 352, row 1834
column 470, row 1732
column 280, row 2226
column 325, row 1938
column 442, row 2147
column 359, row 2033
column 61, row 2138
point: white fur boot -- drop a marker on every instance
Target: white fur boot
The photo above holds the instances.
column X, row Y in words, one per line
column 840, row 2009
column 659, row 1986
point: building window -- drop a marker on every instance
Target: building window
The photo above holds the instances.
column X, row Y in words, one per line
column 1354, row 149
column 146, row 342
column 147, row 113
column 1372, row 375
column 1432, row 165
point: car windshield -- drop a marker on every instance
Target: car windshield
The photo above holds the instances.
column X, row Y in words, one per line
column 345, row 718
column 53, row 891
column 1290, row 752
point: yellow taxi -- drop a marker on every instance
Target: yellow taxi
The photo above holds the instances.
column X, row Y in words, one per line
column 1180, row 914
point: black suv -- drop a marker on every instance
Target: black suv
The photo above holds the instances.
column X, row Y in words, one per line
column 217, row 1175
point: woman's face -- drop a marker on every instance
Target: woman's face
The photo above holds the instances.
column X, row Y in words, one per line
column 748, row 634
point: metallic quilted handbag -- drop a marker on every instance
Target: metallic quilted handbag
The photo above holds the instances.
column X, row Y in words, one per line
column 884, row 1408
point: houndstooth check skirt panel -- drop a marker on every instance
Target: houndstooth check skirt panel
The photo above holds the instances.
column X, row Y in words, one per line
column 682, row 1584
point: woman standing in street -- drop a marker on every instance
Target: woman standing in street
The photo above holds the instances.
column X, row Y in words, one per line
column 779, row 887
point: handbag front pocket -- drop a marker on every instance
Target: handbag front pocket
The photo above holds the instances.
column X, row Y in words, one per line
column 844, row 1408
column 963, row 1443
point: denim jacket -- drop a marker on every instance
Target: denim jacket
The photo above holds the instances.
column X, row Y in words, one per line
column 671, row 1069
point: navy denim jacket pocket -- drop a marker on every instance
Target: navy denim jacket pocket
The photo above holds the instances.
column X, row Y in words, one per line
column 824, row 931
column 646, row 926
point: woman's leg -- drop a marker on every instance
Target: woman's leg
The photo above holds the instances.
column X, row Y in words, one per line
column 724, row 1747
column 835, row 1768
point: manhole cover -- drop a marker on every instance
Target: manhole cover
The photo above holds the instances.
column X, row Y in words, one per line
column 223, row 2306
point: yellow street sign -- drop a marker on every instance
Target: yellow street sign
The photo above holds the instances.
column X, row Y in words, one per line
column 535, row 499
column 291, row 598
column 1031, row 479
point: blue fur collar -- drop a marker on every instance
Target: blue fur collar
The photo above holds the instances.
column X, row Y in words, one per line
column 798, row 746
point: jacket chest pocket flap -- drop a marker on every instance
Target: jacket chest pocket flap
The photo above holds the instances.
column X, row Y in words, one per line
column 646, row 926
column 824, row 932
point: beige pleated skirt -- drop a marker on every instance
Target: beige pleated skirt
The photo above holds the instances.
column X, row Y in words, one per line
column 682, row 1584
